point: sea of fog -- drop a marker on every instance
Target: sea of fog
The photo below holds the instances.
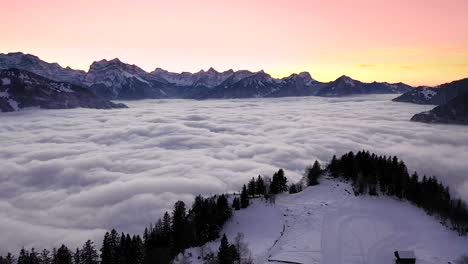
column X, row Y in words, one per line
column 70, row 175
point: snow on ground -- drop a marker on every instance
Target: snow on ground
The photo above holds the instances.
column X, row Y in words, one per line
column 14, row 104
column 428, row 93
column 5, row 94
column 6, row 81
column 261, row 223
column 328, row 224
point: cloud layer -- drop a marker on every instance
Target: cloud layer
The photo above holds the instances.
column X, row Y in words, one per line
column 69, row 175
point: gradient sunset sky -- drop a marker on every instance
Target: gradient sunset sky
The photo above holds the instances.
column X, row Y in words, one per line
column 420, row 42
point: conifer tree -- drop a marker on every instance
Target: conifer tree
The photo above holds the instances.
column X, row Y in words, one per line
column 45, row 257
column 293, row 188
column 110, row 248
column 23, row 257
column 223, row 211
column 313, row 173
column 179, row 224
column 251, row 190
column 89, row 254
column 63, row 256
column 236, row 204
column 224, row 252
column 260, row 188
column 244, row 198
column 8, row 259
column 77, row 257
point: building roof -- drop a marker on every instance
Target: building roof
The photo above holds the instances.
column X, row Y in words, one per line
column 406, row 254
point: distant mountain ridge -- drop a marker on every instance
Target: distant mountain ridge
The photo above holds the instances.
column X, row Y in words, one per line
column 438, row 95
column 451, row 98
column 453, row 112
column 113, row 79
column 20, row 89
column 35, row 65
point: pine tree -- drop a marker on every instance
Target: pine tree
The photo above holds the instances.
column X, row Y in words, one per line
column 63, row 256
column 313, row 173
column 244, row 198
column 260, row 188
column 77, row 257
column 236, row 204
column 23, row 257
column 45, row 257
column 89, row 254
column 223, row 211
column 251, row 189
column 279, row 183
column 224, row 252
column 110, row 248
column 8, row 259
column 138, row 252
column 179, row 224
column 293, row 188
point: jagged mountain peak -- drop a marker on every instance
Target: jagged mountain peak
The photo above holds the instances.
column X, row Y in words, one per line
column 212, row 70
column 305, row 75
column 344, row 78
column 159, row 70
column 34, row 64
column 114, row 64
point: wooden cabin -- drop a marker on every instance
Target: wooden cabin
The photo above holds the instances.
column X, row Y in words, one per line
column 405, row 257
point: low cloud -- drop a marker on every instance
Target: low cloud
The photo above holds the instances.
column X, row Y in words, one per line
column 70, row 175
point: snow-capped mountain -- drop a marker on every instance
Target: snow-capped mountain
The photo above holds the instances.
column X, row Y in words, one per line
column 453, row 112
column 35, row 65
column 344, row 85
column 438, row 95
column 113, row 79
column 20, row 89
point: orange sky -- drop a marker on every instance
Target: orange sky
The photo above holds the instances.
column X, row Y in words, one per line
column 414, row 41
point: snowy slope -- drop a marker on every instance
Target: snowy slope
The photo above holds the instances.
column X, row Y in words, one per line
column 327, row 224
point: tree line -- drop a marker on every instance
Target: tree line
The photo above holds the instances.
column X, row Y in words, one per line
column 374, row 175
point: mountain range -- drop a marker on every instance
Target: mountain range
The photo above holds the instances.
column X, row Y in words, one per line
column 20, row 89
column 437, row 95
column 29, row 81
column 113, row 79
column 451, row 98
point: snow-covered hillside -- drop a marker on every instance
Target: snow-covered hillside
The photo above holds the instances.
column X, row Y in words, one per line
column 328, row 224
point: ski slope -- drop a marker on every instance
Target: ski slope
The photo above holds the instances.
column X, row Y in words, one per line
column 327, row 224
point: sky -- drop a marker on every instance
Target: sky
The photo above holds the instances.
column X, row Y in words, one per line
column 420, row 42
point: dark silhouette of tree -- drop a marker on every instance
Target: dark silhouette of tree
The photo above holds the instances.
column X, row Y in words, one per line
column 313, row 173
column 251, row 188
column 89, row 254
column 223, row 210
column 244, row 197
column 77, row 257
column 260, row 187
column 292, row 188
column 179, row 223
column 8, row 259
column 45, row 257
column 279, row 183
column 225, row 254
column 63, row 256
column 110, row 251
column 236, row 204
